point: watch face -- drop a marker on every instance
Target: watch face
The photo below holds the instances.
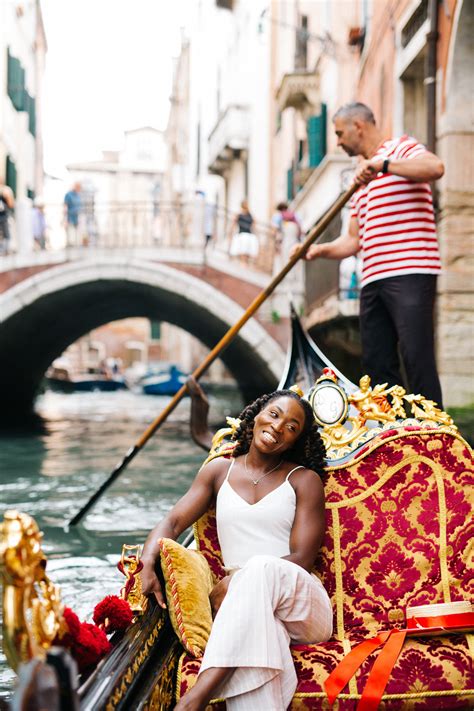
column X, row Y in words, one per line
column 329, row 404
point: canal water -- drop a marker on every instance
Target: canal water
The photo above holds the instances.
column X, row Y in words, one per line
column 52, row 472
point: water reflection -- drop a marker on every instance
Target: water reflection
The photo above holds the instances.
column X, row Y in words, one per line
column 51, row 473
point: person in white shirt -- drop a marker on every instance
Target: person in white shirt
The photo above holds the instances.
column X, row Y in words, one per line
column 270, row 522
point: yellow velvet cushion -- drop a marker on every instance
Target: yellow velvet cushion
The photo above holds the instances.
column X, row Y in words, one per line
column 188, row 582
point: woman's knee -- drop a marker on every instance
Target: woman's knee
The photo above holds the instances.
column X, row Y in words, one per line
column 263, row 564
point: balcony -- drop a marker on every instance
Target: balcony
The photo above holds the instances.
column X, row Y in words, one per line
column 228, row 139
column 299, row 90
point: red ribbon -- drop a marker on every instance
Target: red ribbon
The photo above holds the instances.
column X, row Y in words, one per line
column 131, row 579
column 460, row 619
column 391, row 642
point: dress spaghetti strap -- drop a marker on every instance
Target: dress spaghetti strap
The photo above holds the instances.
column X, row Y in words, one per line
column 229, row 469
column 300, row 466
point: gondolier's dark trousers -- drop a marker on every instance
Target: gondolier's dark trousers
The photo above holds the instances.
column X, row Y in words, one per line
column 398, row 311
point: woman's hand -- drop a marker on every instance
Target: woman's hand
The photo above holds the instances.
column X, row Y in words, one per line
column 218, row 593
column 150, row 583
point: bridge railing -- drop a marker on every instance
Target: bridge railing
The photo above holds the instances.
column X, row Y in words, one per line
column 193, row 225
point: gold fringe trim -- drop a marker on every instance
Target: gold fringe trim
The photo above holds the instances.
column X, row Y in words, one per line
column 443, row 516
column 336, row 527
column 177, row 691
column 470, row 643
column 389, row 697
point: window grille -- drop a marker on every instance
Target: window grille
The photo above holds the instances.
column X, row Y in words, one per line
column 415, row 22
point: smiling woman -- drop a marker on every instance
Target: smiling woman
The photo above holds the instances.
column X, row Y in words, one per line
column 270, row 521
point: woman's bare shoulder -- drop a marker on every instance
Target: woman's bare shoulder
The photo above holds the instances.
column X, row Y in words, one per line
column 306, row 480
column 215, row 467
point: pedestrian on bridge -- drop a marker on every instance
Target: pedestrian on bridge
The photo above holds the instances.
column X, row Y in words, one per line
column 72, row 212
column 392, row 223
column 244, row 243
column 7, row 203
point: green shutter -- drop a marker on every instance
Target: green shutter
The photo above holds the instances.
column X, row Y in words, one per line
column 278, row 121
column 16, row 82
column 30, row 194
column 155, row 330
column 30, row 107
column 316, row 128
column 289, row 184
column 10, row 178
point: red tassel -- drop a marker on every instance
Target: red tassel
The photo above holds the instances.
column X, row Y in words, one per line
column 113, row 614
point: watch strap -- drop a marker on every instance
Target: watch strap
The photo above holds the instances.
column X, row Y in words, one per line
column 385, row 165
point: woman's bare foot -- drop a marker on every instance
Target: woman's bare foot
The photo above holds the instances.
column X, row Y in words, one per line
column 199, row 696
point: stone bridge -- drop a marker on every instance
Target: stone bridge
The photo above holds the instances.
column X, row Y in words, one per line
column 49, row 299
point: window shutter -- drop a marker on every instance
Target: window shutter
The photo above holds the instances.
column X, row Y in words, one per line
column 10, row 178
column 316, row 128
column 30, row 107
column 16, row 82
column 289, row 184
column 155, row 330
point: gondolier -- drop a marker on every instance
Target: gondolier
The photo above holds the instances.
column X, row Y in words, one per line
column 393, row 226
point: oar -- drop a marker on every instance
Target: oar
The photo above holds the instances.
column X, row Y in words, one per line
column 314, row 233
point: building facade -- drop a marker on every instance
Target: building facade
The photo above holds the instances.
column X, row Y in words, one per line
column 22, row 58
column 262, row 81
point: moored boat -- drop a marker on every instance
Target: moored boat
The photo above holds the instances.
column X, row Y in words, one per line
column 397, row 505
column 165, row 382
column 61, row 379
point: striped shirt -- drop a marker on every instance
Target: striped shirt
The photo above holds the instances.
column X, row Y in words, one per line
column 397, row 232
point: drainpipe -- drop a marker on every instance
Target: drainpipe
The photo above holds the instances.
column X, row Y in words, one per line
column 430, row 74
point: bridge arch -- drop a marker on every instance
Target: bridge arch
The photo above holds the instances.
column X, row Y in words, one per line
column 45, row 313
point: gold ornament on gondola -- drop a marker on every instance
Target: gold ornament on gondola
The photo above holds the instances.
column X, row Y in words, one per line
column 385, row 408
column 32, row 607
column 130, row 566
column 296, row 389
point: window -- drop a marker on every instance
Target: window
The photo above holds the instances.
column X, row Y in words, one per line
column 30, row 107
column 15, row 82
column 415, row 22
column 10, row 178
column 316, row 128
column 155, row 330
column 301, row 44
column 290, row 184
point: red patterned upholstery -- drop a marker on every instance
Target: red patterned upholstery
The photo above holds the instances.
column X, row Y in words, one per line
column 399, row 533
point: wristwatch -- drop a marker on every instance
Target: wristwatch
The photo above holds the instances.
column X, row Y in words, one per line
column 385, row 165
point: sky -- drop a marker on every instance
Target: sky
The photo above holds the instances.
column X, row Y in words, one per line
column 108, row 69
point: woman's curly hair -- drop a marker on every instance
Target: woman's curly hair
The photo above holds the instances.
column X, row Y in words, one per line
column 308, row 449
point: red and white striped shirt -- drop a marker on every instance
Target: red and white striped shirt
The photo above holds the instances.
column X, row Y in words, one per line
column 397, row 232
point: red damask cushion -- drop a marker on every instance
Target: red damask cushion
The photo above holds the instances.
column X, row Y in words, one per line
column 399, row 533
column 432, row 673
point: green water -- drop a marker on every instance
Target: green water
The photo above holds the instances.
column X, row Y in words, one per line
column 51, row 474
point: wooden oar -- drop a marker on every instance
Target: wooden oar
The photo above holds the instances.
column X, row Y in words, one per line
column 314, row 233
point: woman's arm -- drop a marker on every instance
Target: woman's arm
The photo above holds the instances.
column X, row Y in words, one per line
column 184, row 513
column 308, row 527
column 200, row 431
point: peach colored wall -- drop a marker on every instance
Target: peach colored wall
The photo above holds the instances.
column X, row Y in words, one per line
column 380, row 53
column 445, row 28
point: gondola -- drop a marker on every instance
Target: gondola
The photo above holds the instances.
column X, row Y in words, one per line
column 397, row 537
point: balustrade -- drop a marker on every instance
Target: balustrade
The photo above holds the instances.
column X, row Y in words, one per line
column 172, row 225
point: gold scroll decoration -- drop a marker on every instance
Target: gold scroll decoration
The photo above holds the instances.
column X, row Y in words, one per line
column 32, row 608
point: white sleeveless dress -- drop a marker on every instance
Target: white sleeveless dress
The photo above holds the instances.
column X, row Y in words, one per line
column 270, row 601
